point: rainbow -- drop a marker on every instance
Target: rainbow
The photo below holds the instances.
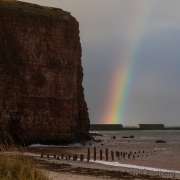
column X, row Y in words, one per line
column 121, row 84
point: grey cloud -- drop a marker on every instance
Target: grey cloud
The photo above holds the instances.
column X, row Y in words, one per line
column 106, row 30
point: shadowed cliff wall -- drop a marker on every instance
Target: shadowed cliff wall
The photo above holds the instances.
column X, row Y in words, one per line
column 41, row 93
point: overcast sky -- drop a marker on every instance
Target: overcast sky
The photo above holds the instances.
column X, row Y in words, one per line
column 142, row 33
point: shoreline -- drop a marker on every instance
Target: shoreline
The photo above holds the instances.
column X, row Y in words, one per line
column 107, row 170
column 153, row 160
column 99, row 170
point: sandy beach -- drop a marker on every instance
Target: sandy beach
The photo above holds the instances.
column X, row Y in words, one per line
column 63, row 169
column 163, row 157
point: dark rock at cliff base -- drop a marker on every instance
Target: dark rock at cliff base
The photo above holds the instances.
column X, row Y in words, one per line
column 125, row 137
column 160, row 141
column 128, row 136
column 95, row 134
column 41, row 93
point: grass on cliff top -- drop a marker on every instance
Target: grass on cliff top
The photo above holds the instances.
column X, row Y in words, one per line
column 18, row 167
column 30, row 8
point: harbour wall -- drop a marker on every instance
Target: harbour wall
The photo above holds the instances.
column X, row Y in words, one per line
column 117, row 127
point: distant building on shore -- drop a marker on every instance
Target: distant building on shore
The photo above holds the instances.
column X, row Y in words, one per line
column 106, row 127
column 151, row 126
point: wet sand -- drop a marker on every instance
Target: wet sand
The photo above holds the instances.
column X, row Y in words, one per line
column 156, row 155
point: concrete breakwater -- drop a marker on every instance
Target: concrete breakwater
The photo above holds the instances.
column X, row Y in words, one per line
column 117, row 127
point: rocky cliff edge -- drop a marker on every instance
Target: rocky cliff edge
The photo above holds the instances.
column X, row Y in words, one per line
column 41, row 93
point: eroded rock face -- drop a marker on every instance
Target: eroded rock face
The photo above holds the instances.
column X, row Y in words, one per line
column 41, row 93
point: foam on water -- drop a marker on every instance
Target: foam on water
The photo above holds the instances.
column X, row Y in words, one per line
column 50, row 146
column 135, row 166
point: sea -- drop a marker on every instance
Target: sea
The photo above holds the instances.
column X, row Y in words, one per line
column 149, row 155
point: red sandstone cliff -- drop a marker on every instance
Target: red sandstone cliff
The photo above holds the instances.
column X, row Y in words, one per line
column 41, row 93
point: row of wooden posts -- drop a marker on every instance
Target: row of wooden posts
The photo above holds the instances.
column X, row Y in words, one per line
column 118, row 155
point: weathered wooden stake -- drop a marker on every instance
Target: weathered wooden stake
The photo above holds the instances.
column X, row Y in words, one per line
column 112, row 155
column 62, row 156
column 101, row 154
column 94, row 153
column 88, row 157
column 81, row 157
column 54, row 156
column 89, row 153
column 69, row 157
column 42, row 155
column 106, row 154
column 58, row 158
column 129, row 156
column 48, row 156
column 121, row 154
column 117, row 154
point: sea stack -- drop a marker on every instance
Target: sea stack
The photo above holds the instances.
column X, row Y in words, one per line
column 41, row 93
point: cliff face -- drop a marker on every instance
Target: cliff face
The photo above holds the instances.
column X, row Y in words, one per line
column 41, row 93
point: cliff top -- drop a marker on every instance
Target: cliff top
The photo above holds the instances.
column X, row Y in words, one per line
column 32, row 8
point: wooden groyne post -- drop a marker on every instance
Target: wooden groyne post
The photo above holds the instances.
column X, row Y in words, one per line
column 62, row 156
column 81, row 157
column 117, row 154
column 112, row 155
column 101, row 154
column 106, row 154
column 94, row 153
column 88, row 157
